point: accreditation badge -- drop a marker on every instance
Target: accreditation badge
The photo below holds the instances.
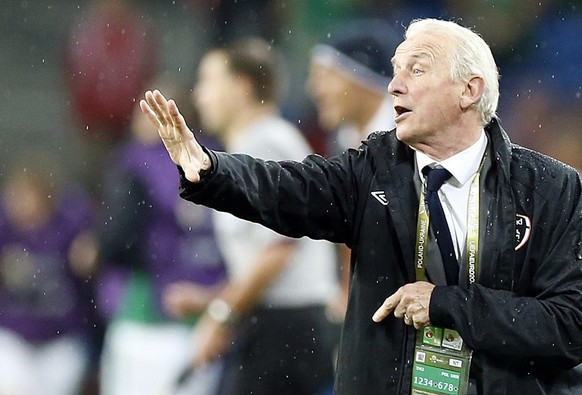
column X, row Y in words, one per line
column 441, row 363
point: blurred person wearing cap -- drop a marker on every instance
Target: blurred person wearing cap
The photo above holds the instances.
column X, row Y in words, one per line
column 348, row 76
column 348, row 79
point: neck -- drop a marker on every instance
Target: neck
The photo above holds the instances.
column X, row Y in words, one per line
column 441, row 148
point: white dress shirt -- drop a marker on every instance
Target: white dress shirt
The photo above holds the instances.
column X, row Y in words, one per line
column 454, row 194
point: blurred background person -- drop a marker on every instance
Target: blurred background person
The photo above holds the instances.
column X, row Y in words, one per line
column 45, row 304
column 159, row 265
column 269, row 322
column 348, row 83
column 348, row 79
column 110, row 53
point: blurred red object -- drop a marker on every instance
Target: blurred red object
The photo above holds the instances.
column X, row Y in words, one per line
column 110, row 56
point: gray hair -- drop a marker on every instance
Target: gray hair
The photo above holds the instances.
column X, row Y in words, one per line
column 471, row 56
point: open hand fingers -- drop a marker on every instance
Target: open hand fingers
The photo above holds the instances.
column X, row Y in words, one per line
column 160, row 106
column 147, row 110
column 178, row 121
column 179, row 141
column 176, row 117
column 156, row 108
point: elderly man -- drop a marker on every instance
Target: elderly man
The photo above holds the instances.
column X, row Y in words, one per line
column 473, row 287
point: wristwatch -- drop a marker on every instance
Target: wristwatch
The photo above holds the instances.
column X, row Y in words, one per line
column 221, row 312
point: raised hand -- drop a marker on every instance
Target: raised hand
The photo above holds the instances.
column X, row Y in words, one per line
column 178, row 139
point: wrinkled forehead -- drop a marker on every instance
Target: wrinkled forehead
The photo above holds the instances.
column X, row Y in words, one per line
column 432, row 48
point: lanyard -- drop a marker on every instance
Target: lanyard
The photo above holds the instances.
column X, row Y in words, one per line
column 472, row 245
column 441, row 358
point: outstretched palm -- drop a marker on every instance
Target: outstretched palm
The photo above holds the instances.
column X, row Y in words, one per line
column 179, row 141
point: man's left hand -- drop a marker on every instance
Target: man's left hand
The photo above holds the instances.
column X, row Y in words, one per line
column 411, row 302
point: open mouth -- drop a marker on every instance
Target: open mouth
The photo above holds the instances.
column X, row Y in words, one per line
column 400, row 110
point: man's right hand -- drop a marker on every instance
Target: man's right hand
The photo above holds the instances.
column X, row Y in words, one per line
column 183, row 148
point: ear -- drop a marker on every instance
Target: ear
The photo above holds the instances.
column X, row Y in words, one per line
column 472, row 93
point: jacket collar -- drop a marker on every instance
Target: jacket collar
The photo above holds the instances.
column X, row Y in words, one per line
column 501, row 146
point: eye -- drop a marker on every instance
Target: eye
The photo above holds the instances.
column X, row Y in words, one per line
column 416, row 71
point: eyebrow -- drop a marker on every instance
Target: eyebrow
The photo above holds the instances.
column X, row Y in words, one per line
column 415, row 57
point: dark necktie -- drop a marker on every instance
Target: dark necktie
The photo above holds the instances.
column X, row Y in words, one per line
column 434, row 180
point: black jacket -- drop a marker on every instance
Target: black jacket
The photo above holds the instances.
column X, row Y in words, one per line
column 523, row 318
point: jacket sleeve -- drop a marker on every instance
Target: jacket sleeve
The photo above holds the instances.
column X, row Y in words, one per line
column 314, row 198
column 541, row 318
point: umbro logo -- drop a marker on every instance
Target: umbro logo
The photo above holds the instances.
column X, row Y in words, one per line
column 381, row 197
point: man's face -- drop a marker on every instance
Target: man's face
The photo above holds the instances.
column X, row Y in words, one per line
column 332, row 93
column 212, row 92
column 426, row 101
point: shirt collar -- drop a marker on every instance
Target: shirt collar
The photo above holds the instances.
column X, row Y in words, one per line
column 462, row 165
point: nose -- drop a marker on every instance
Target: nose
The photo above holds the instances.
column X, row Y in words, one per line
column 396, row 86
